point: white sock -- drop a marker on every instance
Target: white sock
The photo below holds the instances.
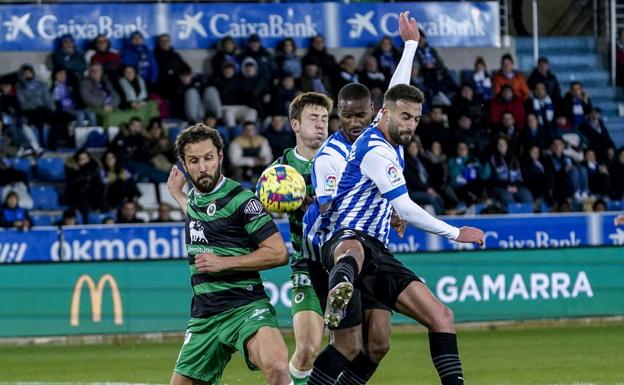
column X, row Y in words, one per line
column 298, row 373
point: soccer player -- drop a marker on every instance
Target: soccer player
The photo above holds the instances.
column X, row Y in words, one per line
column 309, row 119
column 354, row 234
column 355, row 110
column 229, row 238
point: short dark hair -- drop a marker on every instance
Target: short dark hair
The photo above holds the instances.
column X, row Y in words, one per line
column 507, row 56
column 135, row 119
column 308, row 99
column 197, row 133
column 404, row 92
column 575, row 83
column 354, row 91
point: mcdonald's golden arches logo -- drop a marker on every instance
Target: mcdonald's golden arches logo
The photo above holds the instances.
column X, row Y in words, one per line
column 95, row 292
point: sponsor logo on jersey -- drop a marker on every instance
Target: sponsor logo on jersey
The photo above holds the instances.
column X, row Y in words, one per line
column 212, row 209
column 331, row 182
column 254, row 207
column 197, row 232
column 393, row 175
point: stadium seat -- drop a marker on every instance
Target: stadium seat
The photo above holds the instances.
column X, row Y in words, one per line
column 22, row 164
column 520, row 208
column 90, row 137
column 44, row 198
column 465, row 75
column 112, row 132
column 165, row 195
column 98, row 218
column 615, row 205
column 148, row 199
column 44, row 219
column 144, row 215
column 173, row 133
column 51, row 169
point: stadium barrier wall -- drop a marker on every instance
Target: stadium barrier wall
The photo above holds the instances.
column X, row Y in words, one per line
column 166, row 241
column 154, row 296
column 34, row 27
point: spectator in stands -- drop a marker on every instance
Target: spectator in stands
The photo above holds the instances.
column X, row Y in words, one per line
column 374, row 80
column 436, row 163
column 255, row 87
column 138, row 55
column 575, row 141
column 227, row 51
column 68, row 101
column 232, row 97
column 267, row 69
column 508, row 75
column 534, row 173
column 11, row 215
column 619, row 59
column 69, row 218
column 597, row 175
column 283, row 94
column 387, row 55
column 507, row 101
column 475, row 136
column 135, row 95
column 317, row 53
column 467, row 103
column 560, row 174
column 542, row 74
column 37, row 106
column 84, row 190
column 314, row 79
column 418, row 81
column 164, row 214
column 334, row 123
column 418, row 181
column 348, row 72
column 576, row 104
column 533, row 134
column 103, row 54
column 194, row 97
column 467, row 175
column 68, row 57
column 249, row 153
column 507, row 183
column 132, row 150
column 598, row 136
column 119, row 183
column 98, row 93
column 510, row 130
column 287, row 60
column 541, row 105
column 279, row 135
column 616, row 170
column 435, row 72
column 161, row 149
column 127, row 213
column 482, row 80
column 169, row 63
column 436, row 129
column 21, row 134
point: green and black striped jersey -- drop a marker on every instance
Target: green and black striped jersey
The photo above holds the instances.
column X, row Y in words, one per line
column 230, row 221
column 295, row 219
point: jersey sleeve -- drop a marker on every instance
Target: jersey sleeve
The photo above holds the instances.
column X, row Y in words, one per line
column 256, row 220
column 381, row 165
column 325, row 180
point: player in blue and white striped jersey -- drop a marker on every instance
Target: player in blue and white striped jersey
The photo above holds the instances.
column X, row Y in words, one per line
column 354, row 234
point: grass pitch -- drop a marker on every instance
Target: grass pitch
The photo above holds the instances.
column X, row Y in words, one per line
column 580, row 355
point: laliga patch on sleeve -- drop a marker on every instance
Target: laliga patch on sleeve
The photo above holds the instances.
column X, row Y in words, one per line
column 393, row 175
column 331, row 182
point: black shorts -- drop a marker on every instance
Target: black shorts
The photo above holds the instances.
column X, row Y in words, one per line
column 383, row 277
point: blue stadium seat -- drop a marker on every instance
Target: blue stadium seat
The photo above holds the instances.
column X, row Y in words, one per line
column 465, row 75
column 173, row 133
column 44, row 198
column 615, row 205
column 22, row 164
column 544, row 207
column 520, row 208
column 51, row 169
column 98, row 218
column 43, row 220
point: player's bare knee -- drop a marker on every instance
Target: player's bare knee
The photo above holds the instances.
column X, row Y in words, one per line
column 443, row 321
column 377, row 348
column 307, row 353
column 350, row 350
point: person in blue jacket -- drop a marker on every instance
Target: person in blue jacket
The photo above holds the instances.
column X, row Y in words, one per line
column 11, row 215
column 138, row 55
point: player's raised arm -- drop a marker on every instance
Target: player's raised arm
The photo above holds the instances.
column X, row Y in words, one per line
column 408, row 29
column 175, row 184
column 381, row 166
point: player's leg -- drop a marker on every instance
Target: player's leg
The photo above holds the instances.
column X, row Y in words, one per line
column 417, row 302
column 178, row 379
column 344, row 347
column 267, row 350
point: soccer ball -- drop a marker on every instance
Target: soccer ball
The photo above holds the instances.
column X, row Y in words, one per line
column 281, row 189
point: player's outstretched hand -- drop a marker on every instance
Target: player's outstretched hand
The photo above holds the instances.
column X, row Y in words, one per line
column 398, row 224
column 209, row 263
column 470, row 235
column 408, row 28
column 619, row 220
column 176, row 181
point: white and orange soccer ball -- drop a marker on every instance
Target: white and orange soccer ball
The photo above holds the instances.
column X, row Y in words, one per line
column 281, row 189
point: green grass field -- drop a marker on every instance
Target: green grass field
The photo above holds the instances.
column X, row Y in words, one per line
column 514, row 356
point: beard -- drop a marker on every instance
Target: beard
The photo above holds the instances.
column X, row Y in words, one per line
column 402, row 137
column 206, row 182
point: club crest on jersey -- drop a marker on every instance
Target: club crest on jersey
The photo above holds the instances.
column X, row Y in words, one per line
column 212, row 209
column 254, row 207
column 330, row 183
column 196, row 231
column 393, row 175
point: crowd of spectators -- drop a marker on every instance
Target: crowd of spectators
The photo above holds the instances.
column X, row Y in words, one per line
column 489, row 138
